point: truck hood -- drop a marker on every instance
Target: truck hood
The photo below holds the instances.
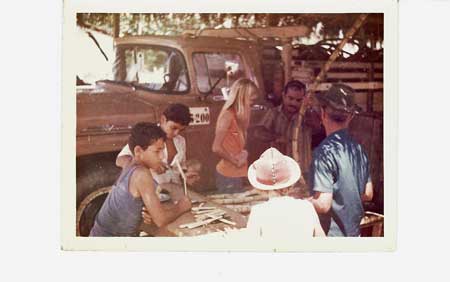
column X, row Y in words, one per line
column 111, row 112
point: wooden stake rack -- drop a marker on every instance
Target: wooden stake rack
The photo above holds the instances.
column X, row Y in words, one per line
column 239, row 202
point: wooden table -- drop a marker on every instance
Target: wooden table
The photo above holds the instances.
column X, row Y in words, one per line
column 173, row 228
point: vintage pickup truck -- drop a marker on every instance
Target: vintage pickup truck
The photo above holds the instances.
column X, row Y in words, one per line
column 151, row 72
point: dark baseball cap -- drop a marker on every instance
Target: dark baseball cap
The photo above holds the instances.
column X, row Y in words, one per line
column 340, row 97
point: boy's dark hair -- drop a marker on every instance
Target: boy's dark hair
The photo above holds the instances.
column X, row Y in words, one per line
column 178, row 113
column 144, row 134
column 294, row 85
column 335, row 115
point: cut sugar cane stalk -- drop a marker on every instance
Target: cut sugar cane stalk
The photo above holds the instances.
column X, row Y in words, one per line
column 227, row 221
column 240, row 209
column 182, row 176
column 203, row 208
column 196, row 224
column 205, row 211
column 206, row 216
column 235, row 195
column 241, row 200
column 220, row 219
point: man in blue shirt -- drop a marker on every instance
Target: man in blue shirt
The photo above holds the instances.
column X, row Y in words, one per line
column 339, row 174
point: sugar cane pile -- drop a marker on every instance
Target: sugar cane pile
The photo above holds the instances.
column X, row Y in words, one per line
column 239, row 202
column 205, row 215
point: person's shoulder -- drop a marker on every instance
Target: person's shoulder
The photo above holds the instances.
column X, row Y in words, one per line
column 325, row 153
column 228, row 114
column 274, row 111
column 142, row 173
column 179, row 139
column 304, row 204
column 258, row 208
column 226, row 117
column 323, row 148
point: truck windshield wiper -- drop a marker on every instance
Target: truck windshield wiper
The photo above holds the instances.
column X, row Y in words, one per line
column 213, row 87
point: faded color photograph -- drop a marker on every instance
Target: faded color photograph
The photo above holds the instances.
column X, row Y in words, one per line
column 224, row 125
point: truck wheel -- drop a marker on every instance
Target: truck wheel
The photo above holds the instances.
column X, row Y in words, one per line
column 93, row 172
column 88, row 209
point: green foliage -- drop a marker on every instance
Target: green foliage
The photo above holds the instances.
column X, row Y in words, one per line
column 175, row 24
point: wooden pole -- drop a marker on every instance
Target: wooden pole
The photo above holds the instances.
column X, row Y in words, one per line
column 370, row 94
column 116, row 25
column 286, row 55
column 318, row 79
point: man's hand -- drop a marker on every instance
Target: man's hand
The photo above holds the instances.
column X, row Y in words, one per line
column 146, row 216
column 192, row 177
column 185, row 203
column 241, row 158
column 161, row 168
column 295, row 193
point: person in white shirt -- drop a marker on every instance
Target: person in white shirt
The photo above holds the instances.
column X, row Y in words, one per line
column 175, row 118
column 281, row 216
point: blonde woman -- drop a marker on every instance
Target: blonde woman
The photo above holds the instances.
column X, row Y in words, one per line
column 231, row 134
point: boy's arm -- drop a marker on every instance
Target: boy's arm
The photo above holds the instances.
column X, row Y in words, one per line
column 142, row 183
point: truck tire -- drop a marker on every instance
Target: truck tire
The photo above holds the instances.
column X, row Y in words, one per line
column 88, row 209
column 94, row 172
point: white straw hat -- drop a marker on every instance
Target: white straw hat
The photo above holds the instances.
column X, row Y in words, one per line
column 273, row 170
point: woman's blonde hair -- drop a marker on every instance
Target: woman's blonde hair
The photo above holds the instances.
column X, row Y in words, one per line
column 239, row 101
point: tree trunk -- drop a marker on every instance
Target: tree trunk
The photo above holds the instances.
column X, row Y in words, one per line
column 116, row 25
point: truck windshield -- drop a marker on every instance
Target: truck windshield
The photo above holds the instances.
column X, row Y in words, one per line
column 155, row 68
column 210, row 67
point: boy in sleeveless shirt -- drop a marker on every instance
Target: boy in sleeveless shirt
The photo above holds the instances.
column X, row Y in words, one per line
column 120, row 214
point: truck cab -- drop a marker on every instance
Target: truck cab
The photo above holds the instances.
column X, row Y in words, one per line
column 149, row 73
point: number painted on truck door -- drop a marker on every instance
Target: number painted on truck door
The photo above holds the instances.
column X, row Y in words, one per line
column 200, row 115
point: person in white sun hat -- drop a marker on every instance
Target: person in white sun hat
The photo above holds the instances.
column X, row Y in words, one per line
column 282, row 219
column 281, row 216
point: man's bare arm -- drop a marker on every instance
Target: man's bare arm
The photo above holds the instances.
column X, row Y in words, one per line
column 142, row 183
column 368, row 193
column 321, row 201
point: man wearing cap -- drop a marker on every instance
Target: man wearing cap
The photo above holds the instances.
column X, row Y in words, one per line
column 277, row 126
column 281, row 216
column 339, row 173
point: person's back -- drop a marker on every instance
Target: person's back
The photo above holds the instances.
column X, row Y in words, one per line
column 340, row 173
column 349, row 166
column 283, row 218
column 120, row 214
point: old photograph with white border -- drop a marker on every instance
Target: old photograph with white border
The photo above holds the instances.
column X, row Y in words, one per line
column 130, row 69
